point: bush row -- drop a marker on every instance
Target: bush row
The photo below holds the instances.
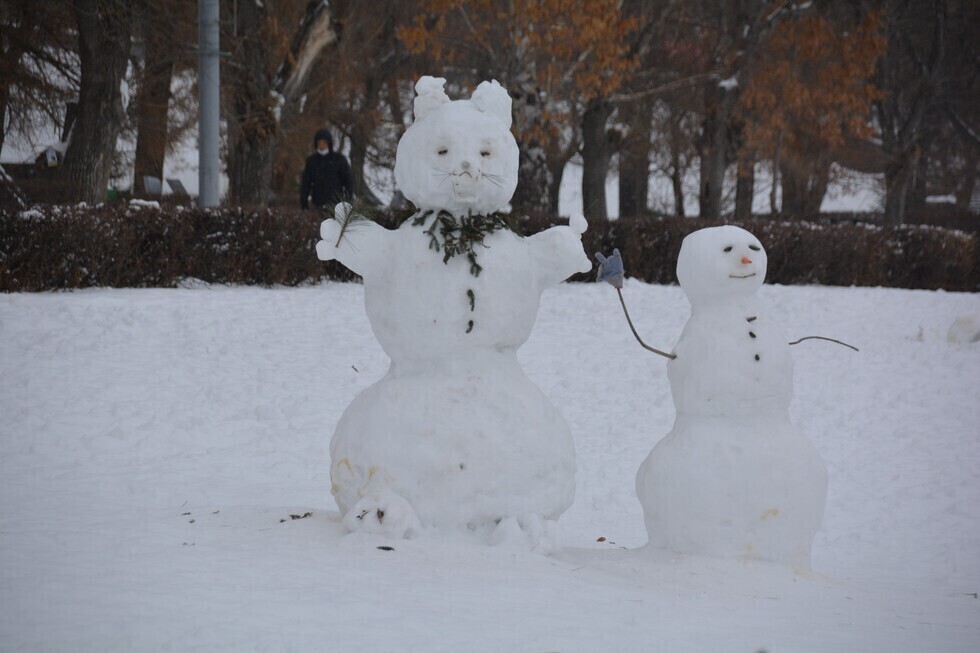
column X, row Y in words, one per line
column 57, row 247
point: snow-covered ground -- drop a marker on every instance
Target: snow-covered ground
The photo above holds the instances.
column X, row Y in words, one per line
column 154, row 443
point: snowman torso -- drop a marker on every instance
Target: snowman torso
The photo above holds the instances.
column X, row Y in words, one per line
column 731, row 360
column 422, row 308
column 733, row 478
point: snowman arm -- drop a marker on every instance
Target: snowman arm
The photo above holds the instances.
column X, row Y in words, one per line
column 558, row 252
column 637, row 335
column 357, row 242
column 796, row 342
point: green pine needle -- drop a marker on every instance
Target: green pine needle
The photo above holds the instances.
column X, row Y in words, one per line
column 453, row 237
column 361, row 212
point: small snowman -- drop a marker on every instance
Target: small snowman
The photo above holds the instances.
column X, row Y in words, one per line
column 733, row 478
column 455, row 434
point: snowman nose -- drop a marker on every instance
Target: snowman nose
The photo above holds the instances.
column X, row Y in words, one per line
column 465, row 165
column 746, row 259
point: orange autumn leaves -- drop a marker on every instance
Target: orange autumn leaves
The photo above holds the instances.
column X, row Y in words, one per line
column 575, row 49
column 811, row 87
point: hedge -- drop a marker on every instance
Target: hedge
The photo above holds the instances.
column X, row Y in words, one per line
column 134, row 245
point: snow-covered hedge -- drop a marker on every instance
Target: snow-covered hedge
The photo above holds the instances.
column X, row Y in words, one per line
column 802, row 252
column 136, row 245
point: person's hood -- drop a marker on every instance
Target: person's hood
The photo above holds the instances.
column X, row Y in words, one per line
column 325, row 135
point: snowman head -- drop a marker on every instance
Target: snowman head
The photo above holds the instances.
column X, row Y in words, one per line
column 720, row 263
column 458, row 156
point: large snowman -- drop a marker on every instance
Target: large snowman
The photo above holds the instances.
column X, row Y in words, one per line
column 733, row 478
column 455, row 434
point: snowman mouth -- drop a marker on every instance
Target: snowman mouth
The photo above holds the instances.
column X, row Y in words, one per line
column 741, row 276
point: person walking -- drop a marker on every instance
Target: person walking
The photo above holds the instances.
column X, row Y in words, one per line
column 327, row 177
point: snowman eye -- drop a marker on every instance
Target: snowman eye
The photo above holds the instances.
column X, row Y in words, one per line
column 728, row 249
column 485, row 153
column 443, row 151
column 755, row 248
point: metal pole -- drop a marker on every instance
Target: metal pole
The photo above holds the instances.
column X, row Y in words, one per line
column 209, row 83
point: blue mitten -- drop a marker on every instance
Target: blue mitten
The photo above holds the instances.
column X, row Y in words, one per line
column 611, row 269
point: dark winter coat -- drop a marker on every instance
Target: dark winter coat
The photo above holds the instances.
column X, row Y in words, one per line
column 327, row 177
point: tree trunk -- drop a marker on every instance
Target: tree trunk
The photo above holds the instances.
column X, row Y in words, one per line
column 361, row 130
column 792, row 189
column 714, row 149
column 4, row 99
column 677, row 142
column 153, row 103
column 596, row 153
column 360, row 137
column 967, row 183
column 250, row 113
column 804, row 188
column 816, row 188
column 899, row 177
column 103, row 49
column 558, row 157
column 774, row 209
column 634, row 161
column 554, row 191
column 534, row 179
column 677, row 185
column 745, row 186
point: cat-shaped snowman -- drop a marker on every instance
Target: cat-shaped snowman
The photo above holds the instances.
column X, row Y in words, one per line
column 733, row 478
column 455, row 434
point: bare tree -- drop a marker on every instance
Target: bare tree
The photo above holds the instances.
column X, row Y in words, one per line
column 38, row 65
column 909, row 73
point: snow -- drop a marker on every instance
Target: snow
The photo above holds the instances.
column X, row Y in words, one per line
column 144, row 204
column 124, row 409
column 728, row 84
column 965, row 329
column 31, row 214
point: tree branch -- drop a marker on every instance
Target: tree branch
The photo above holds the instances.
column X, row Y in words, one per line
column 962, row 127
column 665, row 88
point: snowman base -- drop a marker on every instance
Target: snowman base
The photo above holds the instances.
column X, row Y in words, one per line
column 462, row 448
column 747, row 489
column 382, row 512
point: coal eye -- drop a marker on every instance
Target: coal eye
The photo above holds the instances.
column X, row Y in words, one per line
column 485, row 153
column 728, row 249
column 443, row 151
column 754, row 248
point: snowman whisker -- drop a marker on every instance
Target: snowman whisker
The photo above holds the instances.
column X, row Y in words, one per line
column 496, row 180
column 445, row 174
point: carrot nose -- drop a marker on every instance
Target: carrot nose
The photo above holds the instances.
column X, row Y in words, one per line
column 746, row 259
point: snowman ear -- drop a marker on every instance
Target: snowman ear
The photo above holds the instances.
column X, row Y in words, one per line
column 431, row 95
column 492, row 98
